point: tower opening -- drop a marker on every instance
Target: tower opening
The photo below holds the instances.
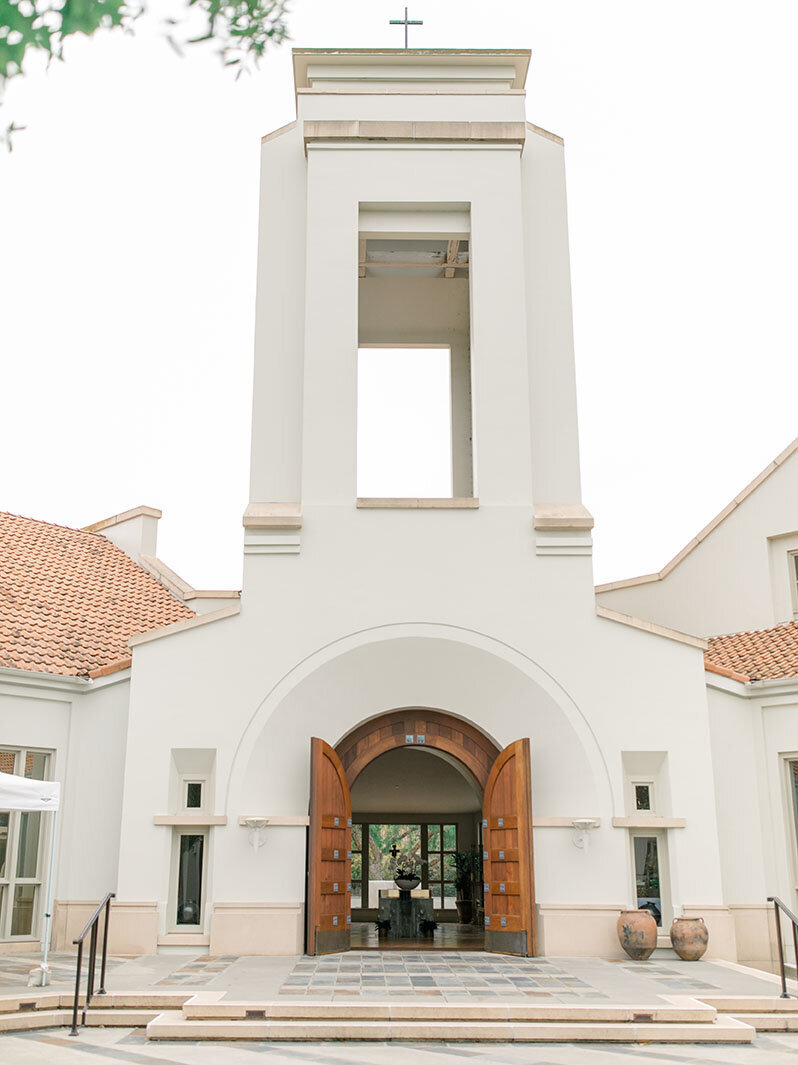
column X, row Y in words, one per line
column 414, row 353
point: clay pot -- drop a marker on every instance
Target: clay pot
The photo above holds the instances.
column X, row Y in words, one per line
column 637, row 933
column 465, row 910
column 689, row 937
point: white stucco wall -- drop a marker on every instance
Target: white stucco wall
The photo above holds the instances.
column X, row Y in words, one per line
column 738, row 578
column 83, row 724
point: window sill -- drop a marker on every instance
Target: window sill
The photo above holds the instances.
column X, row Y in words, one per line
column 197, row 820
column 184, row 939
column 457, row 503
column 649, row 821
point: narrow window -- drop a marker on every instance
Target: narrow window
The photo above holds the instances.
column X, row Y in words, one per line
column 793, row 768
column 793, row 563
column 357, row 867
column 643, row 797
column 441, row 845
column 194, row 795
column 404, row 422
column 189, row 880
column 647, row 876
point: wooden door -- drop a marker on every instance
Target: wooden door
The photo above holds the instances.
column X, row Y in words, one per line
column 510, row 924
column 329, row 853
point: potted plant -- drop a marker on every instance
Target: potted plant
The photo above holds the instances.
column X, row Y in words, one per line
column 383, row 927
column 467, row 872
column 406, row 879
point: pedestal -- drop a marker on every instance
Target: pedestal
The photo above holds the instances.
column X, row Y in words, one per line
column 405, row 914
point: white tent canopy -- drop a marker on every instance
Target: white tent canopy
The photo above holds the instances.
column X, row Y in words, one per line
column 19, row 793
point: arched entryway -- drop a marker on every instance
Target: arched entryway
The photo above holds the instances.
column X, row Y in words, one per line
column 415, row 727
column 428, row 787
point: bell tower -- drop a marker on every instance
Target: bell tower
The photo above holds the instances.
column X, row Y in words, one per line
column 411, row 208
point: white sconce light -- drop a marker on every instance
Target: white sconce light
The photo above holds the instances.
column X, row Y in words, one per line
column 255, row 824
column 582, row 827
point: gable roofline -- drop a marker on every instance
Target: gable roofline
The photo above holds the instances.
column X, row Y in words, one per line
column 648, row 578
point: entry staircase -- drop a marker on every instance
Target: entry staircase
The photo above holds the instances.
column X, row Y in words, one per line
column 176, row 1015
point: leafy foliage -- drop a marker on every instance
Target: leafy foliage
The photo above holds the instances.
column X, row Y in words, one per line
column 242, row 29
column 468, row 873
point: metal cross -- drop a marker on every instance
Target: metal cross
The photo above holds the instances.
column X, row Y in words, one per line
column 406, row 22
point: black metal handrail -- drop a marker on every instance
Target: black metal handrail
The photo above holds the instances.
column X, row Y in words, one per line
column 780, row 908
column 91, row 927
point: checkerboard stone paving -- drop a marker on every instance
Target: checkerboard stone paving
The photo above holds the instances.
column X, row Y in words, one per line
column 15, row 967
column 467, row 975
column 199, row 970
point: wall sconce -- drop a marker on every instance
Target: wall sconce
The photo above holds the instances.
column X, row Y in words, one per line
column 255, row 824
column 582, row 827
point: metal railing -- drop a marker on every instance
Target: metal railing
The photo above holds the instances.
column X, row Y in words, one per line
column 91, row 927
column 780, row 909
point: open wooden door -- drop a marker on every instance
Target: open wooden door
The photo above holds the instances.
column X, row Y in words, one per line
column 510, row 921
column 329, row 853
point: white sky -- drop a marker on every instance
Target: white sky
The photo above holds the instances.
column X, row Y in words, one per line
column 404, row 423
column 128, row 241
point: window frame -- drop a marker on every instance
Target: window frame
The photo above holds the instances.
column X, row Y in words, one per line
column 790, row 794
column 663, row 862
column 635, row 782
column 11, row 881
column 174, row 879
column 792, row 567
column 184, row 785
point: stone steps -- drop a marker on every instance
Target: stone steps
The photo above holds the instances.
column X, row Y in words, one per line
column 764, row 1014
column 179, row 1014
column 209, row 1016
column 721, row 1030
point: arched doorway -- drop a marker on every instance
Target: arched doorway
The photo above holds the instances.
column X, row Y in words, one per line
column 439, row 787
column 414, row 727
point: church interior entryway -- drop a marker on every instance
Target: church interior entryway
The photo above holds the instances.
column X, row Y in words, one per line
column 424, row 794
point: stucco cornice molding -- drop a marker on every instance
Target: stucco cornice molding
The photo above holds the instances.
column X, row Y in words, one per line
column 652, row 821
column 651, row 627
column 358, row 131
column 719, row 682
column 184, row 626
column 26, row 678
column 175, row 584
column 562, row 516
column 126, row 515
column 540, row 132
column 741, row 497
column 273, row 516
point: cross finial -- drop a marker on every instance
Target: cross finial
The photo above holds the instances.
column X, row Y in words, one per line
column 406, row 22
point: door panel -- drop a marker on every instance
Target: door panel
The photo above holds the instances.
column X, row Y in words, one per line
column 329, row 853
column 510, row 926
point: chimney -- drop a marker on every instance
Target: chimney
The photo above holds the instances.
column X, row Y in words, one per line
column 134, row 531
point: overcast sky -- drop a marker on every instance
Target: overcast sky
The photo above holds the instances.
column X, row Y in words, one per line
column 128, row 238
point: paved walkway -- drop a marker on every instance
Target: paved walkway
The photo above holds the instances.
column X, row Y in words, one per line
column 115, row 1046
column 408, row 975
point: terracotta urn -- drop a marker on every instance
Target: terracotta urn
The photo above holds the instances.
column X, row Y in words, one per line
column 689, row 936
column 637, row 933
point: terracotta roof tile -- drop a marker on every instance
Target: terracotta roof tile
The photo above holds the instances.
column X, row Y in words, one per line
column 762, row 655
column 70, row 600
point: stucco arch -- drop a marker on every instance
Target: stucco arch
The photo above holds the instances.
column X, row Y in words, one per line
column 456, row 671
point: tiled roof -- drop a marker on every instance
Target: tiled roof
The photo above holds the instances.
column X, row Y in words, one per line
column 762, row 655
column 70, row 600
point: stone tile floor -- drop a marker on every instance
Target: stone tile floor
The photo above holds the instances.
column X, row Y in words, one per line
column 121, row 1046
column 440, row 976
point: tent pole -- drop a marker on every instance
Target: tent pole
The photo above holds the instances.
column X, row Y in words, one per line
column 48, row 913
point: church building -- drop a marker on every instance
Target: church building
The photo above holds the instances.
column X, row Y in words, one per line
column 406, row 677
